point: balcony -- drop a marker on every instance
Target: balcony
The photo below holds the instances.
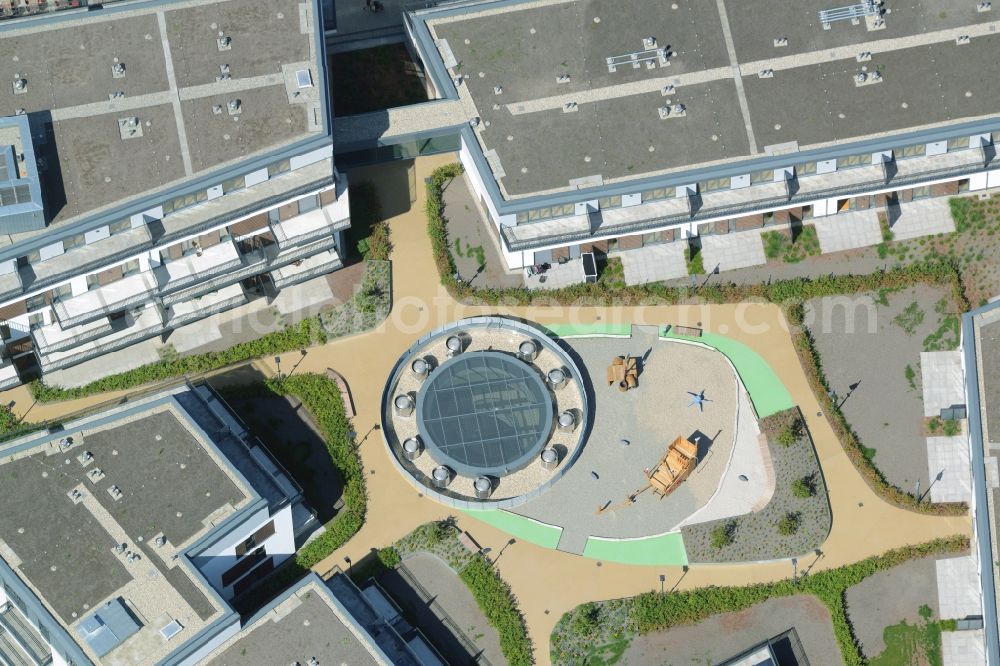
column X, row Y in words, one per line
column 10, row 285
column 132, row 329
column 207, row 305
column 314, row 266
column 308, row 227
column 8, row 376
column 249, row 264
column 86, row 258
column 25, row 635
column 55, row 337
column 195, row 268
column 114, row 297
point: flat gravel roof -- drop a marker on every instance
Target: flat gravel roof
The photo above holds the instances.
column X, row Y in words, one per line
column 716, row 52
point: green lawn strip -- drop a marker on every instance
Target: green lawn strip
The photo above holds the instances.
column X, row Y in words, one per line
column 526, row 529
column 918, row 643
column 497, row 602
column 659, row 611
column 664, row 550
column 768, row 394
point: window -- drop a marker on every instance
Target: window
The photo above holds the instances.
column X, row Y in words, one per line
column 36, row 320
column 242, row 567
column 93, row 281
column 807, row 212
column 307, row 204
column 565, row 209
column 278, row 167
column 958, row 143
column 522, row 217
column 766, row 176
column 915, row 150
column 62, row 292
column 805, row 169
column 130, row 267
column 273, row 216
column 714, row 184
column 254, row 539
column 853, row 161
column 654, row 238
column 233, row 184
column 121, row 226
column 659, row 193
column 921, row 192
column 33, row 257
column 609, row 202
column 73, row 241
column 36, row 302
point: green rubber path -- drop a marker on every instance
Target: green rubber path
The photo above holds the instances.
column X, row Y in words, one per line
column 526, row 529
column 663, row 550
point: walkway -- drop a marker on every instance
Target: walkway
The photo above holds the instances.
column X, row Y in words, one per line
column 731, row 251
column 549, row 582
column 847, row 231
column 921, row 218
column 654, row 263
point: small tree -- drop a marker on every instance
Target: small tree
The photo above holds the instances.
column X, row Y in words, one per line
column 435, row 532
column 723, row 534
column 587, row 619
column 789, row 524
column 803, row 487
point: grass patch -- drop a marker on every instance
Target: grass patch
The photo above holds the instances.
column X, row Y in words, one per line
column 612, row 273
column 883, row 223
column 695, row 262
column 918, row 643
column 911, row 376
column 910, row 318
column 608, row 654
column 947, row 335
column 778, row 246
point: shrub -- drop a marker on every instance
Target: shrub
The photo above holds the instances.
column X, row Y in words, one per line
column 951, row 427
column 723, row 535
column 587, row 618
column 497, row 602
column 803, row 487
column 789, row 524
column 436, row 532
column 389, row 557
column 790, row 433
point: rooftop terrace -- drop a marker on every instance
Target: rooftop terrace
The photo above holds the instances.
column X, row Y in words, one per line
column 128, row 477
column 522, row 63
column 175, row 68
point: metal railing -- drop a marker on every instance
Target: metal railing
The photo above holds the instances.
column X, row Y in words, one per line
column 38, row 335
column 102, row 347
column 281, row 282
column 101, row 310
column 176, row 321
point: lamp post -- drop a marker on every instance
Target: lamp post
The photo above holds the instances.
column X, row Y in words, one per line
column 511, row 542
column 277, row 362
column 795, row 570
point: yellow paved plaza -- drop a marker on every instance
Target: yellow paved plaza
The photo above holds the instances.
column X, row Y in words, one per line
column 548, row 582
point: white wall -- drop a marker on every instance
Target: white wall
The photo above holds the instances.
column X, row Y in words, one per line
column 221, row 556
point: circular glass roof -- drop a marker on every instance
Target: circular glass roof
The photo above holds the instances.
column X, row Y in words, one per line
column 484, row 413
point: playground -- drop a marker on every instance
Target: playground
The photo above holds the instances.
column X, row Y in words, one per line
column 666, row 435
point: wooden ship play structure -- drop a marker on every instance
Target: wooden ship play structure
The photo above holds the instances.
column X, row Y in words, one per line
column 673, row 469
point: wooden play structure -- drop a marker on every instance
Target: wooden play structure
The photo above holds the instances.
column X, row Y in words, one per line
column 674, row 467
column 624, row 371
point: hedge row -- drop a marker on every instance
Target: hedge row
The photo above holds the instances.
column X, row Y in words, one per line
column 498, row 604
column 809, row 358
column 306, row 333
column 656, row 611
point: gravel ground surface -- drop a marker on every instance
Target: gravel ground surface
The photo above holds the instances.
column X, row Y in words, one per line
column 872, row 340
column 888, row 598
column 648, row 418
column 756, row 535
column 476, row 240
column 726, row 635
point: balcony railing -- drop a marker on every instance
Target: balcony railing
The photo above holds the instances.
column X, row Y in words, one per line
column 211, row 262
column 182, row 319
column 707, row 211
column 114, row 297
column 290, row 275
column 146, row 326
column 53, row 337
